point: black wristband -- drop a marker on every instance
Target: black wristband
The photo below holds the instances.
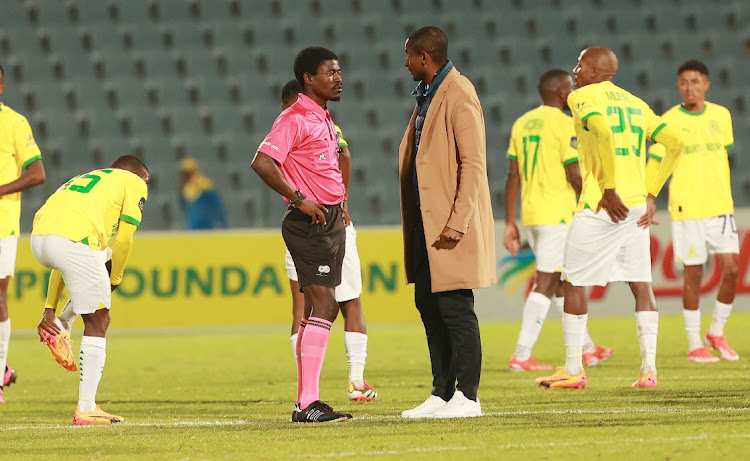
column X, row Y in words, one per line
column 299, row 199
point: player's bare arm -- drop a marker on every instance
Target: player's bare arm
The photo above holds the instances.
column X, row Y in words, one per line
column 266, row 167
column 648, row 217
column 573, row 175
column 610, row 201
column 32, row 176
column 54, row 290
column 512, row 239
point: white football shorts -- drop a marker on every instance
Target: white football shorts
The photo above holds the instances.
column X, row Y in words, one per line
column 8, row 250
column 694, row 239
column 351, row 272
column 547, row 243
column 82, row 269
column 599, row 251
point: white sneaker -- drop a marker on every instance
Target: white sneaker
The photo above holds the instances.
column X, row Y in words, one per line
column 459, row 407
column 427, row 409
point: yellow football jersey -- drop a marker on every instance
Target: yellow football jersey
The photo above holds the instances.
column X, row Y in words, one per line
column 342, row 141
column 88, row 208
column 631, row 121
column 542, row 141
column 700, row 186
column 17, row 150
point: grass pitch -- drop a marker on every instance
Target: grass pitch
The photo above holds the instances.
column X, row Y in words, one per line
column 228, row 394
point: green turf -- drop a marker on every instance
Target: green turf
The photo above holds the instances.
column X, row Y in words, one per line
column 237, row 389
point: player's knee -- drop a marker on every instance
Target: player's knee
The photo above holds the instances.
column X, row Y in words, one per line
column 731, row 271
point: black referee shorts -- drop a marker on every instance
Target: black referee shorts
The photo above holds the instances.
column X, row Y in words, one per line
column 317, row 250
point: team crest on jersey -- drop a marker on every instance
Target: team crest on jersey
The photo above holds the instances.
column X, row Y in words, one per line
column 581, row 105
column 713, row 127
column 141, row 203
column 322, row 156
column 574, row 142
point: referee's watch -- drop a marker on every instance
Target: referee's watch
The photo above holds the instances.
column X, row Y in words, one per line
column 300, row 197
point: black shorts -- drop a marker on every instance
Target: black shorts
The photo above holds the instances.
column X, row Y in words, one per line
column 317, row 250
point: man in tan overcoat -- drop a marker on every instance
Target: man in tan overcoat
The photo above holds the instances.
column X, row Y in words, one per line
column 448, row 227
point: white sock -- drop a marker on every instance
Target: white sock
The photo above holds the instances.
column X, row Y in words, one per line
column 721, row 314
column 559, row 304
column 573, row 328
column 91, row 362
column 293, row 341
column 693, row 328
column 67, row 318
column 356, row 353
column 588, row 343
column 647, row 325
column 534, row 312
column 4, row 341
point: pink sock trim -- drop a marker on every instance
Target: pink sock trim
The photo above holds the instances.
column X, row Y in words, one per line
column 313, row 351
column 300, row 333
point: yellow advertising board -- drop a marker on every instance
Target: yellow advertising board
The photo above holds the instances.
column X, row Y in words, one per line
column 219, row 278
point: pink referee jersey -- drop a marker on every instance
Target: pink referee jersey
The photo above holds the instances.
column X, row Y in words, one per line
column 303, row 140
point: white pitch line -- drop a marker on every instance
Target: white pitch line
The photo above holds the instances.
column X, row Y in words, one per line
column 515, row 446
column 517, row 379
column 240, row 422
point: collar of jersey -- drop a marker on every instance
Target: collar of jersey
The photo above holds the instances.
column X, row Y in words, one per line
column 694, row 114
column 308, row 104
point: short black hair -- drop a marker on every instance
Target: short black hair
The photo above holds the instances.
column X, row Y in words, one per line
column 309, row 60
column 432, row 40
column 290, row 90
column 548, row 80
column 130, row 163
column 693, row 64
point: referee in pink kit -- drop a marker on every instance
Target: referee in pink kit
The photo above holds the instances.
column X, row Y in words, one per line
column 299, row 159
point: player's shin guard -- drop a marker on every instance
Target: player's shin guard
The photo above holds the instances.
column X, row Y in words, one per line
column 573, row 328
column 67, row 318
column 720, row 317
column 91, row 362
column 356, row 355
column 693, row 328
column 534, row 313
column 647, row 325
column 588, row 343
column 313, row 351
column 293, row 342
column 4, row 342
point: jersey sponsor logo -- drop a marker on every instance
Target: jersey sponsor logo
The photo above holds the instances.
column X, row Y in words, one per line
column 266, row 143
column 534, row 124
column 617, row 96
column 141, row 203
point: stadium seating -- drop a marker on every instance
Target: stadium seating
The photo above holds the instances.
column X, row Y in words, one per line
column 167, row 79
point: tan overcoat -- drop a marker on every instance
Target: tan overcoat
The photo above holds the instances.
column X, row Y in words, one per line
column 453, row 188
